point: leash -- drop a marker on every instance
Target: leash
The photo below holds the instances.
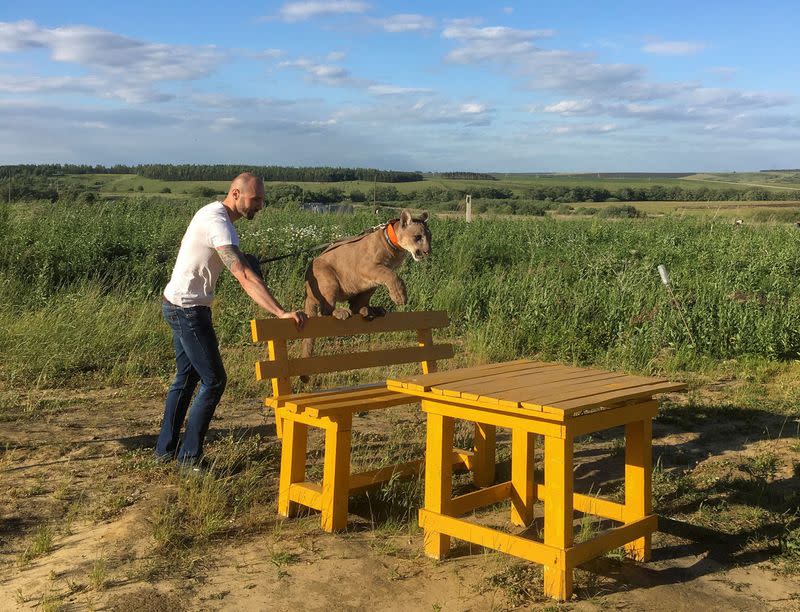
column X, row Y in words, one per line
column 329, row 246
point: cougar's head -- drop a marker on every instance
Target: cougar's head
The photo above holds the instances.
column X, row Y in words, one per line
column 414, row 235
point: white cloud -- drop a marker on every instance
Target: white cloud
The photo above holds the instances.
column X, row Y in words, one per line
column 424, row 111
column 335, row 56
column 508, row 10
column 405, row 23
column 327, row 74
column 394, row 90
column 303, row 11
column 582, row 128
column 673, row 47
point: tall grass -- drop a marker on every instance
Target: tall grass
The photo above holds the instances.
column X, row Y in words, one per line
column 79, row 287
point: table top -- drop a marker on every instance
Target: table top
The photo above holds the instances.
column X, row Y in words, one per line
column 534, row 386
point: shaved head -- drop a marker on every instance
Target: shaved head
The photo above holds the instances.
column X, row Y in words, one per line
column 245, row 196
column 245, row 182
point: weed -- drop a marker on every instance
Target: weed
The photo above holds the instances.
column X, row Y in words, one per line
column 41, row 544
column 521, row 583
column 98, row 574
column 762, row 468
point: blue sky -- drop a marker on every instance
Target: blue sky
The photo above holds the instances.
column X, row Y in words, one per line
column 488, row 86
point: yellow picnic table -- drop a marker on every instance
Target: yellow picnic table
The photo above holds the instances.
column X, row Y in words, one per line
column 559, row 403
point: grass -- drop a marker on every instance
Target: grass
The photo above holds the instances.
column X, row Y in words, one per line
column 40, row 544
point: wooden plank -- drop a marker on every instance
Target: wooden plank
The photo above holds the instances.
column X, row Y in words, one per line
column 558, row 500
column 352, row 361
column 438, row 478
column 491, row 538
column 423, row 382
column 610, row 540
column 591, row 504
column 478, row 499
column 306, row 493
column 565, row 388
column 476, row 386
column 344, row 396
column 528, row 422
column 377, row 403
column 505, row 397
column 597, row 421
column 322, row 327
column 291, row 397
column 582, row 403
column 364, row 480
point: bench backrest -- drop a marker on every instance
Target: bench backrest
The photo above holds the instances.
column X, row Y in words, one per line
column 278, row 332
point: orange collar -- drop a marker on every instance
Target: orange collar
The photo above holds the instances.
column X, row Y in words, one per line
column 390, row 235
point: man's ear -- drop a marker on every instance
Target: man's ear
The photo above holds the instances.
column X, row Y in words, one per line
column 405, row 218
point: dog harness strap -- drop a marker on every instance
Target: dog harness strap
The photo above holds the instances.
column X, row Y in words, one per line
column 390, row 236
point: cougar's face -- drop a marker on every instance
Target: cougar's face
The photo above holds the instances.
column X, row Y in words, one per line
column 416, row 239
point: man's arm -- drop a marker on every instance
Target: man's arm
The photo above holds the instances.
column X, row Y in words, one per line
column 254, row 286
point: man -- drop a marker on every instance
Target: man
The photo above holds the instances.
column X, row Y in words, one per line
column 209, row 244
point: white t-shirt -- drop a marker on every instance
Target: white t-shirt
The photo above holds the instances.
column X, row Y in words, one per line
column 198, row 265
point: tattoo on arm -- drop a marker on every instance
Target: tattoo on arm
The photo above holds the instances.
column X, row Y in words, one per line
column 231, row 255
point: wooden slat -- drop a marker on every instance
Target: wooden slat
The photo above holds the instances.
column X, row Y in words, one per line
column 352, row 361
column 375, row 403
column 424, row 382
column 614, row 538
column 344, row 395
column 567, row 388
column 502, row 391
column 591, row 504
column 491, row 538
column 299, row 397
column 364, row 480
column 612, row 397
column 490, row 382
column 306, row 493
column 478, row 499
column 321, row 327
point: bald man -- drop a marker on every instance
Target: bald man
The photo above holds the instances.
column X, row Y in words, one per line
column 209, row 245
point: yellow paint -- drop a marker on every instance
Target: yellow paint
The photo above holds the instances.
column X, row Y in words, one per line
column 438, row 479
column 638, row 482
column 558, row 480
column 293, row 464
column 485, row 455
column 523, row 486
column 336, row 477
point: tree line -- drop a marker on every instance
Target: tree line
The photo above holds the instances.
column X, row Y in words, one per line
column 216, row 172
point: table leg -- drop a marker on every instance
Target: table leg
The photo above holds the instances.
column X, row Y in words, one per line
column 638, row 482
column 293, row 463
column 336, row 475
column 485, row 455
column 522, row 477
column 438, row 478
column 558, row 484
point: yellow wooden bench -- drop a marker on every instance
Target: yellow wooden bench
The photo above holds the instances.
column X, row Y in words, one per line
column 332, row 409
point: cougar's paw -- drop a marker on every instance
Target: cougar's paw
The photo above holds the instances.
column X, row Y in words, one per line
column 370, row 312
column 342, row 313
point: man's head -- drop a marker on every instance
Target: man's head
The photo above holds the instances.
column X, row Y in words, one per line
column 245, row 196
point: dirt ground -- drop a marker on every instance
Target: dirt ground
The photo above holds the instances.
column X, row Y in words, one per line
column 78, row 465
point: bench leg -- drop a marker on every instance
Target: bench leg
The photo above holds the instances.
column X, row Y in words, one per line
column 438, row 478
column 638, row 483
column 558, row 486
column 522, row 480
column 336, row 475
column 293, row 463
column 483, row 473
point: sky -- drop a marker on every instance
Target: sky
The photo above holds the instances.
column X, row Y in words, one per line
column 535, row 86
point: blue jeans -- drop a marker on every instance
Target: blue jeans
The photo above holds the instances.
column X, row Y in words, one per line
column 198, row 360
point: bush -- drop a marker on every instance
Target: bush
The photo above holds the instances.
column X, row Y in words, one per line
column 166, row 190
column 620, row 212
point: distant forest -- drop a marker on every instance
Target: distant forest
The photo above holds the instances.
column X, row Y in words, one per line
column 217, row 172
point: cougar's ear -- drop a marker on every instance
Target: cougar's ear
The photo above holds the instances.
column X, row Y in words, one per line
column 405, row 217
column 424, row 216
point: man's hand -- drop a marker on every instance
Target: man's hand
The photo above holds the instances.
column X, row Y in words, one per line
column 299, row 317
